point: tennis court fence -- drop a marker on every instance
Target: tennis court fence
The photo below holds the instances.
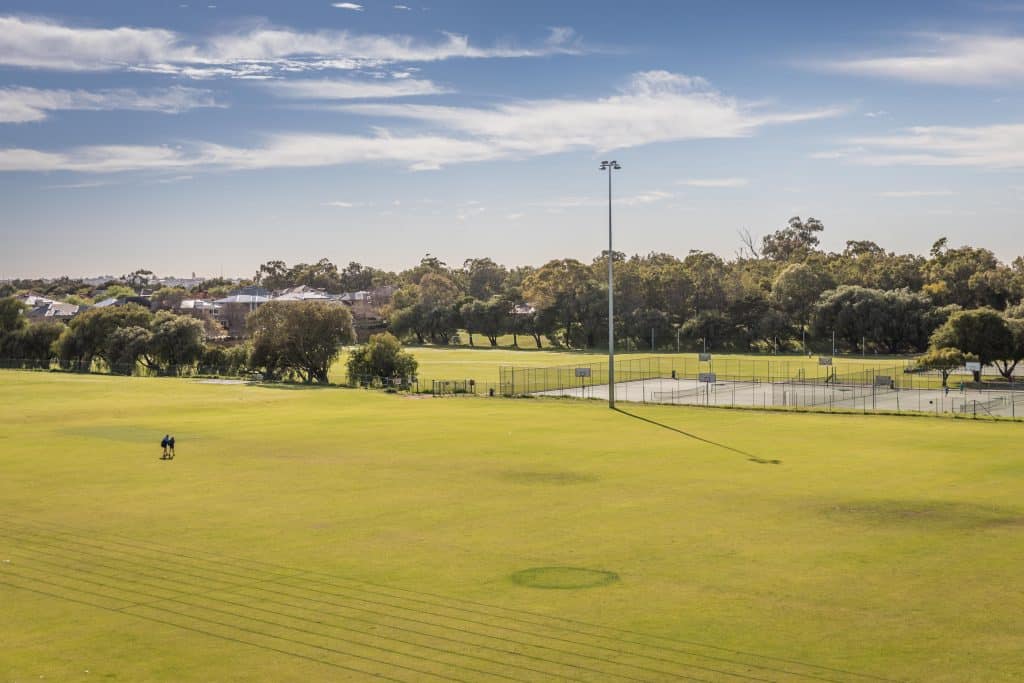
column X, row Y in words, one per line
column 793, row 385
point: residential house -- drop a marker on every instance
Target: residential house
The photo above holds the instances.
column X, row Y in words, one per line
column 59, row 310
column 303, row 293
column 233, row 310
column 206, row 312
column 143, row 301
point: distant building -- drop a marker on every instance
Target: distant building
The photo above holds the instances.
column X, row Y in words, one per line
column 207, row 312
column 233, row 310
column 143, row 301
column 99, row 281
column 35, row 301
column 183, row 282
column 45, row 309
column 353, row 297
column 62, row 311
column 303, row 293
column 253, row 290
column 243, row 300
column 197, row 306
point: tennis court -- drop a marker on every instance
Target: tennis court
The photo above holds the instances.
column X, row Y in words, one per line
column 882, row 397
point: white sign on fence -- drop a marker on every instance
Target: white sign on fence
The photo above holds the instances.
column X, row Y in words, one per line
column 973, row 366
column 583, row 372
column 883, row 381
column 825, row 360
column 708, row 377
column 704, row 357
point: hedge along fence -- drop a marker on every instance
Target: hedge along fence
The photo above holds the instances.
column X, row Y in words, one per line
column 100, row 367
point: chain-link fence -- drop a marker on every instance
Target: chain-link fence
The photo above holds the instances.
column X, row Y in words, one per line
column 519, row 380
column 411, row 383
column 803, row 384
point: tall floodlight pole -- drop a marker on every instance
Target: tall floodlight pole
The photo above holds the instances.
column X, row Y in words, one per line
column 610, row 166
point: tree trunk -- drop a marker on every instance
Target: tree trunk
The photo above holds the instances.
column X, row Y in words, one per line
column 493, row 340
column 470, row 338
column 1006, row 369
column 536, row 338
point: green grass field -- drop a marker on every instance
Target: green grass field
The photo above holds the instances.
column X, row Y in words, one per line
column 339, row 534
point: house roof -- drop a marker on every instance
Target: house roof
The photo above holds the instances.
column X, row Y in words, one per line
column 242, row 299
column 302, row 296
column 252, row 290
column 34, row 300
column 61, row 310
column 197, row 305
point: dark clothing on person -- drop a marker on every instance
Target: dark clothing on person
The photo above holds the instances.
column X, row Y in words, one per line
column 164, row 443
column 170, row 444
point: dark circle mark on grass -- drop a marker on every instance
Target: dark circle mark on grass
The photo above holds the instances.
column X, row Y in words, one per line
column 556, row 477
column 563, row 578
column 925, row 513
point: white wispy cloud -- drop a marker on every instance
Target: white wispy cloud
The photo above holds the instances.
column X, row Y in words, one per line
column 402, row 7
column 468, row 212
column 252, row 52
column 348, row 5
column 948, row 58
column 422, row 152
column 19, row 105
column 80, row 186
column 995, row 147
column 653, row 108
column 637, row 199
column 914, row 194
column 641, row 198
column 37, row 43
column 417, row 152
column 340, row 204
column 714, row 182
column 94, row 159
column 351, row 89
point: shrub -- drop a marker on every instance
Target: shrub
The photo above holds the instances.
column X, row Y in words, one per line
column 382, row 358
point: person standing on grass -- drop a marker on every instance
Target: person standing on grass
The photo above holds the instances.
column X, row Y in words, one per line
column 170, row 444
column 164, row 444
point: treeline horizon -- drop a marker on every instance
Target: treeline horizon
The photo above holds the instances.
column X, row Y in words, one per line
column 783, row 293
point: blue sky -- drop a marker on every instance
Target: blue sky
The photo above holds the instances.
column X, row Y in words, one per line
column 212, row 136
